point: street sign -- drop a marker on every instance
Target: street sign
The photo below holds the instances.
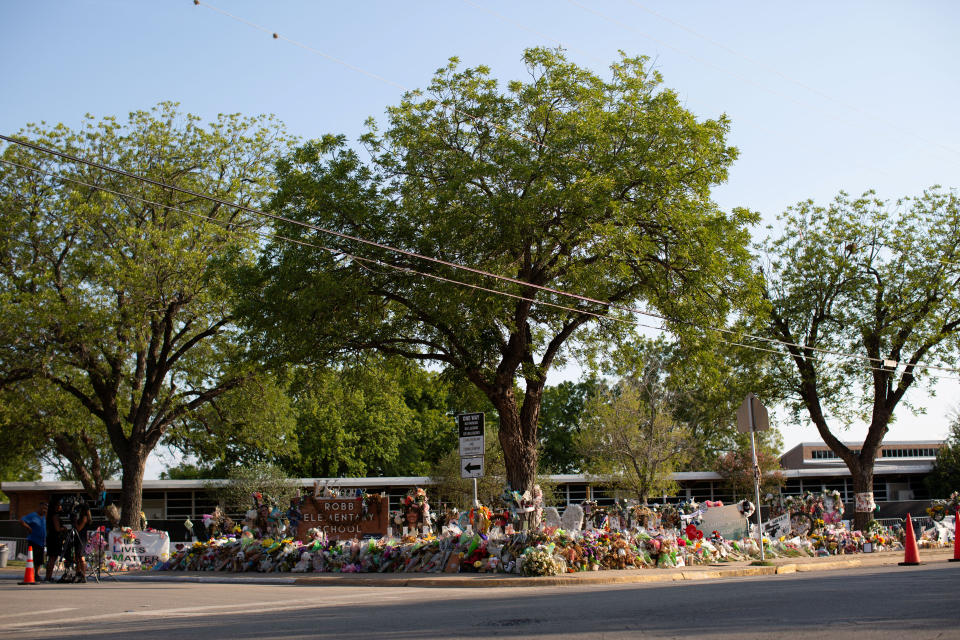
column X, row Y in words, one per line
column 752, row 417
column 471, row 467
column 470, row 426
column 761, row 422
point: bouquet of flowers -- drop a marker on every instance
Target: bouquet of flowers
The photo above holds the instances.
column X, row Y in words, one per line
column 541, row 561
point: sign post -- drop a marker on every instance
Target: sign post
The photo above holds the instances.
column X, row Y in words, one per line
column 751, row 417
column 470, row 426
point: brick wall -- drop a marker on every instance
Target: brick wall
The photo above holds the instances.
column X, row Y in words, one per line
column 24, row 502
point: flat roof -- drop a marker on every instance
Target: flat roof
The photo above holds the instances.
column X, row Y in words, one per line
column 401, row 481
column 115, row 485
column 885, row 443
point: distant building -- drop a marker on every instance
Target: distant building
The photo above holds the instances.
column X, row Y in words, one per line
column 808, row 455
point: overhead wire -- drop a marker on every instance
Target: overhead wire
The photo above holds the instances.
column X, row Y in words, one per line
column 333, row 250
column 306, row 47
column 340, row 252
column 881, row 361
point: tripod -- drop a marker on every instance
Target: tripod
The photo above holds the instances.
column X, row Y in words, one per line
column 96, row 572
column 71, row 551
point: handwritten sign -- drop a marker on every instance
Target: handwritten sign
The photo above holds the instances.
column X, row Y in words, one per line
column 725, row 520
column 343, row 518
column 142, row 548
column 776, row 527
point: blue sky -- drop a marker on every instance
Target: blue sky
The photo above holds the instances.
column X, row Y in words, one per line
column 823, row 96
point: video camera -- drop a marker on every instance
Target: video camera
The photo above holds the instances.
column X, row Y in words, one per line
column 70, row 509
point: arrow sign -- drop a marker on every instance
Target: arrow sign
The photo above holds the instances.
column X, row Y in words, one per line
column 471, row 467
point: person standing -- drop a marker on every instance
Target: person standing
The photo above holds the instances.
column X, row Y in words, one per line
column 62, row 544
column 35, row 523
column 54, row 537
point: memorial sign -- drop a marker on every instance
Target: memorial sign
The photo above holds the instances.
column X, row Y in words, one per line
column 344, row 518
column 470, row 427
column 137, row 549
column 727, row 521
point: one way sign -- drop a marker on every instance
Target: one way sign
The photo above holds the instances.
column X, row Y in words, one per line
column 471, row 467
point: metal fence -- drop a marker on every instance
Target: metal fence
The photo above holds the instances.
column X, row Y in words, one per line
column 15, row 547
column 919, row 522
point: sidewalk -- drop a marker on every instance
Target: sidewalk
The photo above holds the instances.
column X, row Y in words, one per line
column 461, row 580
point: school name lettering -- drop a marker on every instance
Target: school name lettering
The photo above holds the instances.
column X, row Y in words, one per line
column 335, row 517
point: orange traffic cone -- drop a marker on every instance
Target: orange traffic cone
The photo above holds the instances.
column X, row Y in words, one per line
column 956, row 538
column 911, row 555
column 28, row 577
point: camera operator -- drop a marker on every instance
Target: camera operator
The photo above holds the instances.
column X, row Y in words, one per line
column 69, row 514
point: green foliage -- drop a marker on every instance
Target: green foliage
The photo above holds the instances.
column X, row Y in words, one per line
column 944, row 479
column 375, row 417
column 450, row 488
column 560, row 420
column 631, row 436
column 260, row 477
column 55, row 428
column 252, row 422
column 869, row 277
column 736, row 466
column 566, row 180
column 110, row 288
column 192, row 471
column 705, row 378
column 18, row 463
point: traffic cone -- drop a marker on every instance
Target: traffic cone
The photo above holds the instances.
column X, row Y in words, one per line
column 911, row 555
column 956, row 538
column 28, row 577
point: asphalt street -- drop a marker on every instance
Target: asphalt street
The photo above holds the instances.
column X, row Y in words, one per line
column 876, row 602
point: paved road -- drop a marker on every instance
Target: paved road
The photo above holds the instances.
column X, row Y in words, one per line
column 914, row 603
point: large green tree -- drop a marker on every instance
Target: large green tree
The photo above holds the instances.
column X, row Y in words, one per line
column 598, row 185
column 631, row 437
column 561, row 419
column 58, row 430
column 871, row 278
column 108, row 285
column 944, row 479
column 705, row 378
column 373, row 417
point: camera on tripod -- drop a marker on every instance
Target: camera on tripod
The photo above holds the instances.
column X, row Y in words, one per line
column 70, row 513
column 70, row 509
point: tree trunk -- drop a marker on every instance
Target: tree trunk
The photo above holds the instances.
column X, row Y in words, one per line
column 519, row 449
column 862, row 483
column 131, row 497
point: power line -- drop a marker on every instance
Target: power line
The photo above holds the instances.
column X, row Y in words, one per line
column 510, row 132
column 306, row 47
column 333, row 250
column 881, row 361
column 403, row 269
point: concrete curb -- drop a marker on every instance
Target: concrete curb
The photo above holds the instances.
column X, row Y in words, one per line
column 637, row 576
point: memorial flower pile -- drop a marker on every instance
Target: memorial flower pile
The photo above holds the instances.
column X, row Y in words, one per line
column 630, row 537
